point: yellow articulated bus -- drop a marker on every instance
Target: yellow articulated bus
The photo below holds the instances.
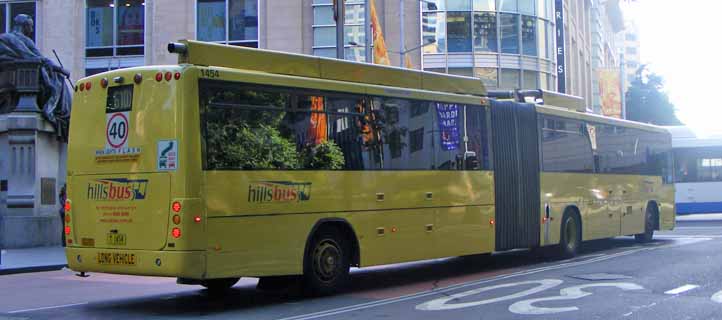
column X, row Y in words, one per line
column 242, row 162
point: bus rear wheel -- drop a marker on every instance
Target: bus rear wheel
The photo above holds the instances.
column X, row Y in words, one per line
column 219, row 285
column 648, row 233
column 570, row 238
column 327, row 262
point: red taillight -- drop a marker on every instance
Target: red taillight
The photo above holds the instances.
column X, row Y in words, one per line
column 138, row 78
column 67, row 230
column 88, row 85
column 159, row 76
column 176, row 233
column 197, row 219
column 176, row 219
column 67, row 206
column 491, row 222
column 176, row 206
column 82, row 86
column 168, row 76
column 67, row 218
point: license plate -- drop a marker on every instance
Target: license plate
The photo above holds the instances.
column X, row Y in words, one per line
column 116, row 258
column 116, row 239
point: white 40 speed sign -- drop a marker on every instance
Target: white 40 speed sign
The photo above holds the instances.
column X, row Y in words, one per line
column 117, row 129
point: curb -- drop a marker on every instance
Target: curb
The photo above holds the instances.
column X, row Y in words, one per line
column 52, row 267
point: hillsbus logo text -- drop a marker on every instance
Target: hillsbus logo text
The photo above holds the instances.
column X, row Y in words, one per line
column 279, row 191
column 117, row 189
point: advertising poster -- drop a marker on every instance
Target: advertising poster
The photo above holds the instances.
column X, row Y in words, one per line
column 448, row 119
column 609, row 89
column 100, row 27
column 130, row 25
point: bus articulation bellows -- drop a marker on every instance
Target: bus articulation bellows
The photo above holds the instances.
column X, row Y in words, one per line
column 243, row 162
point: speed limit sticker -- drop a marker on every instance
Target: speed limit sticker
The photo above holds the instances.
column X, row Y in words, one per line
column 117, row 129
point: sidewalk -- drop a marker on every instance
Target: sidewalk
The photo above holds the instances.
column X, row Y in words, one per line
column 700, row 217
column 32, row 260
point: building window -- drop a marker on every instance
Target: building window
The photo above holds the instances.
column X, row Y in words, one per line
column 458, row 26
column 485, row 32
column 433, row 29
column 458, row 5
column 115, row 28
column 232, row 22
column 509, row 79
column 324, row 30
column 527, row 6
column 631, row 37
column 484, row 5
column 8, row 12
column 508, row 5
column 488, row 76
column 509, row 33
column 531, row 79
column 631, row 50
column 528, row 35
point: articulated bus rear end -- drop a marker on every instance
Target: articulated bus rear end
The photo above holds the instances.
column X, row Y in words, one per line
column 130, row 208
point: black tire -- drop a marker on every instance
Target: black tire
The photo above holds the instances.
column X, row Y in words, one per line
column 570, row 237
column 219, row 285
column 649, row 224
column 326, row 263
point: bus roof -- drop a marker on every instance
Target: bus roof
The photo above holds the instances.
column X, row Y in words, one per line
column 566, row 113
column 684, row 137
column 213, row 54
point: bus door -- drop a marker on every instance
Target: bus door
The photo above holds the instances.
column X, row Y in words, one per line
column 515, row 142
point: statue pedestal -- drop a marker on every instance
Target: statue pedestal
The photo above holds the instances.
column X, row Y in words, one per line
column 32, row 171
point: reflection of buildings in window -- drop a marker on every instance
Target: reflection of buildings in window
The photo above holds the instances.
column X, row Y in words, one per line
column 240, row 17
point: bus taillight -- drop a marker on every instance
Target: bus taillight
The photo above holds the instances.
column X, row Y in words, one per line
column 67, row 206
column 159, row 76
column 168, row 76
column 197, row 219
column 177, row 75
column 104, row 83
column 176, row 233
column 176, row 219
column 176, row 206
column 138, row 78
column 67, row 230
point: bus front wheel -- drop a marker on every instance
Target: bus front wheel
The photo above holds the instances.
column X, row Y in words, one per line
column 570, row 238
column 327, row 262
column 648, row 233
column 219, row 285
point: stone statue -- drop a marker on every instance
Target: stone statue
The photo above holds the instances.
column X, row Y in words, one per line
column 18, row 51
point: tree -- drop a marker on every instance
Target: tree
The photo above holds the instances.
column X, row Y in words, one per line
column 647, row 102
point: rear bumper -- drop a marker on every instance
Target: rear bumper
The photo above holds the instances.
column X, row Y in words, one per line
column 184, row 264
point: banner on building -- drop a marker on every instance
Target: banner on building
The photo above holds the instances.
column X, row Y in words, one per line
column 560, row 52
column 610, row 92
column 381, row 54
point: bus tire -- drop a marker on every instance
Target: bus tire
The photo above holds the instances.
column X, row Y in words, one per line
column 570, row 237
column 649, row 224
column 327, row 262
column 219, row 285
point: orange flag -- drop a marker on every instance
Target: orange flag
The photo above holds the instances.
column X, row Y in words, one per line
column 381, row 54
column 317, row 128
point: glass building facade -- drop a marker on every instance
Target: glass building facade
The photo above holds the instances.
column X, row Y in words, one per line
column 507, row 43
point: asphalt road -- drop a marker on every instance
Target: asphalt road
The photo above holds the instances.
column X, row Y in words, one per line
column 675, row 277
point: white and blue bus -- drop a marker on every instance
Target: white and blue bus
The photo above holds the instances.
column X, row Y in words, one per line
column 698, row 164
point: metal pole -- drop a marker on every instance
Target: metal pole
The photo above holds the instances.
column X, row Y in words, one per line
column 622, row 82
column 340, row 22
column 368, row 33
column 402, row 44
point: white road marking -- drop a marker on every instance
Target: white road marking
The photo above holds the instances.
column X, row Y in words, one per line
column 717, row 297
column 443, row 303
column 383, row 302
column 46, row 308
column 527, row 307
column 681, row 289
